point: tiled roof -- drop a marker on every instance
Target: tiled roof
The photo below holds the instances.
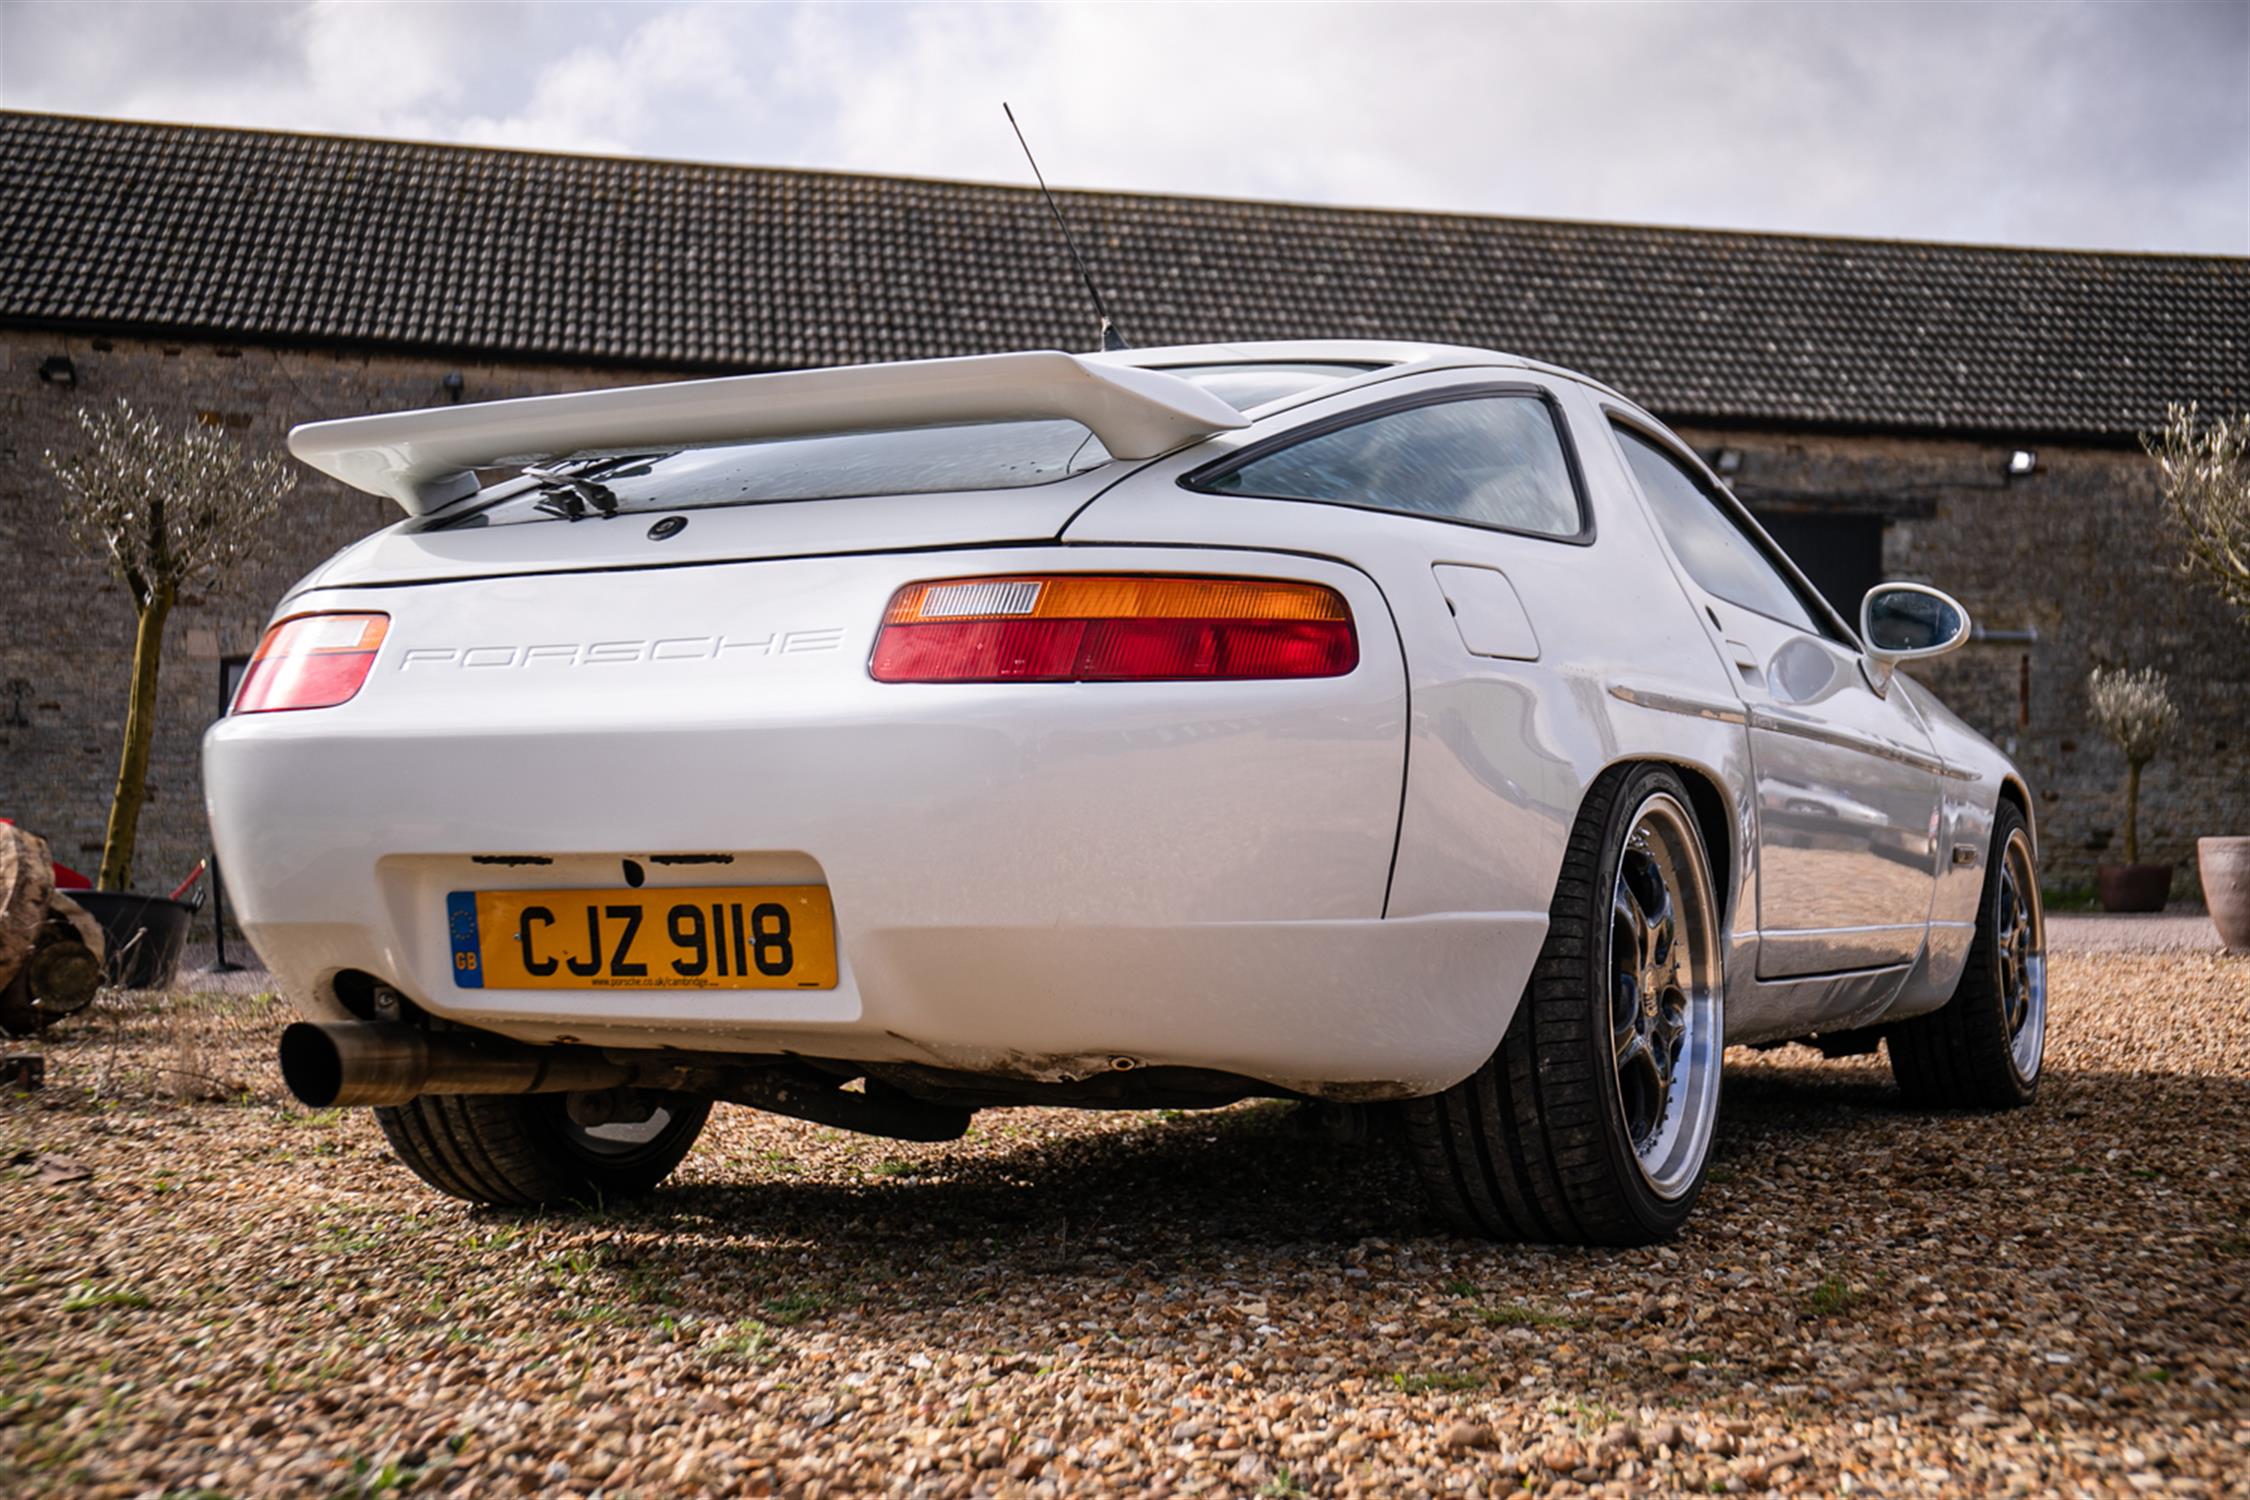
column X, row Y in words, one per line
column 245, row 235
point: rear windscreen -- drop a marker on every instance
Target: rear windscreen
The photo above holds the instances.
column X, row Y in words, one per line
column 920, row 461
column 916, row 461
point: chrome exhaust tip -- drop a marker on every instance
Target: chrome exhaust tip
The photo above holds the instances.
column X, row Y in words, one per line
column 332, row 1063
column 326, row 1064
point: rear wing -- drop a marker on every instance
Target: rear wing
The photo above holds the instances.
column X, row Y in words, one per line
column 426, row 460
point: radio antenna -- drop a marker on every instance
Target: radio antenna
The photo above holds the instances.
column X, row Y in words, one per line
column 1111, row 338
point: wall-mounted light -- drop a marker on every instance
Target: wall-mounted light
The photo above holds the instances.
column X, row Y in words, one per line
column 16, row 718
column 452, row 384
column 2022, row 463
column 1728, row 461
column 56, row 369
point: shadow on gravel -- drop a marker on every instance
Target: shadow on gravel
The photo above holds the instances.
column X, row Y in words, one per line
column 1224, row 1178
column 1255, row 1196
column 1813, row 1100
column 1261, row 1174
column 1191, row 1190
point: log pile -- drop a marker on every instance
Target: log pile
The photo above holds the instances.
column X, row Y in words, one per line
column 50, row 949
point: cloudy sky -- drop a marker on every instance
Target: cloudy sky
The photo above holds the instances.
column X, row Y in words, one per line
column 2120, row 126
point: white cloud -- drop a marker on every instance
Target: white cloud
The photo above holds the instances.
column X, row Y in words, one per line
column 372, row 63
column 617, row 96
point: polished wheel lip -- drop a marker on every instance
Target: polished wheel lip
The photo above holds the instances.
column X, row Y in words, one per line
column 1665, row 995
column 2019, row 952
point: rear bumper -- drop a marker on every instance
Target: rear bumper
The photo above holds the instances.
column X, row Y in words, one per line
column 1344, row 1010
column 1030, row 881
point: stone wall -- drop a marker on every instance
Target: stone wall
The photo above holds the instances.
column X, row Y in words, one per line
column 66, row 625
column 2075, row 551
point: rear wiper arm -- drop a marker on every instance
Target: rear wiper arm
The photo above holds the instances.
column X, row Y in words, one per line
column 569, row 495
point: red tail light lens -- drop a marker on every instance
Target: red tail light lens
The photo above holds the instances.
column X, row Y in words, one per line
column 310, row 661
column 1086, row 628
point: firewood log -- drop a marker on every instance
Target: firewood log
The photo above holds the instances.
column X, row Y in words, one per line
column 27, row 882
column 50, row 948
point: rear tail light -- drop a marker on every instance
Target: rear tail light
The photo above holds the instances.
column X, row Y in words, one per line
column 1085, row 628
column 311, row 661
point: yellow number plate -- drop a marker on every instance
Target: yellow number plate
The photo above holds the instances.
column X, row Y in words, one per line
column 768, row 937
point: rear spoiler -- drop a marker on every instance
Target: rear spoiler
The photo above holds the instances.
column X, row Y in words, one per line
column 425, row 460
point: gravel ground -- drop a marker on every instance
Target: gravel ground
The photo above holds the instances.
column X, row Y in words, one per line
column 2157, row 932
column 248, row 977
column 207, row 1290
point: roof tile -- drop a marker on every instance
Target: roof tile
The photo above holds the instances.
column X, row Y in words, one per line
column 184, row 230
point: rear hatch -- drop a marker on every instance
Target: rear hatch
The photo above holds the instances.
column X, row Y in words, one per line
column 667, row 654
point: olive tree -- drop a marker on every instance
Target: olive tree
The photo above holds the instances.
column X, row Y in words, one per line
column 2204, row 472
column 2136, row 710
column 175, row 514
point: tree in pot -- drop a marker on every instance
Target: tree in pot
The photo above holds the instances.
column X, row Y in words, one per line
column 177, row 515
column 2135, row 709
column 2203, row 469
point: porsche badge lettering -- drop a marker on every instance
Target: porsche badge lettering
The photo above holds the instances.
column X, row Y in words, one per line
column 607, row 653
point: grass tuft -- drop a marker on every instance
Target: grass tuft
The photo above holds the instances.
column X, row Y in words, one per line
column 794, row 1307
column 1524, row 1315
column 1833, row 1298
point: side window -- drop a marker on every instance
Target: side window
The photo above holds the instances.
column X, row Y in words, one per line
column 1490, row 460
column 1718, row 554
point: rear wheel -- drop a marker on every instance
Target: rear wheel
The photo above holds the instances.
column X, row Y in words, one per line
column 1984, row 1047
column 1592, row 1124
column 527, row 1151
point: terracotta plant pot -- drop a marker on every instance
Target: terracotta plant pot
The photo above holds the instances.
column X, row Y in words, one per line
column 2133, row 887
column 2225, row 866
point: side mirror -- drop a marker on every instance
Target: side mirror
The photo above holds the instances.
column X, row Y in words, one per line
column 1907, row 622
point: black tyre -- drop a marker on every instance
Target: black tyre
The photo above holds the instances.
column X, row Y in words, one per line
column 526, row 1151
column 1592, row 1123
column 1983, row 1048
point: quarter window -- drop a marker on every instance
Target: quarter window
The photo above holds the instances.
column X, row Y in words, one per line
column 1489, row 460
column 1718, row 554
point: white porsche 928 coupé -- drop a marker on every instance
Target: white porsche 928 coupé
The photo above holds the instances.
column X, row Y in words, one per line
column 1364, row 722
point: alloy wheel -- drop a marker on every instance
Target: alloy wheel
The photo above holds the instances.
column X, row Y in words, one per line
column 2022, row 957
column 1664, row 997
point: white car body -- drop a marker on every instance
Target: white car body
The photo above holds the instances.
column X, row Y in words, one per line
column 1332, row 887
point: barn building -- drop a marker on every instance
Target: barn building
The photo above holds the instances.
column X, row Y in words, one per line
column 1869, row 399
